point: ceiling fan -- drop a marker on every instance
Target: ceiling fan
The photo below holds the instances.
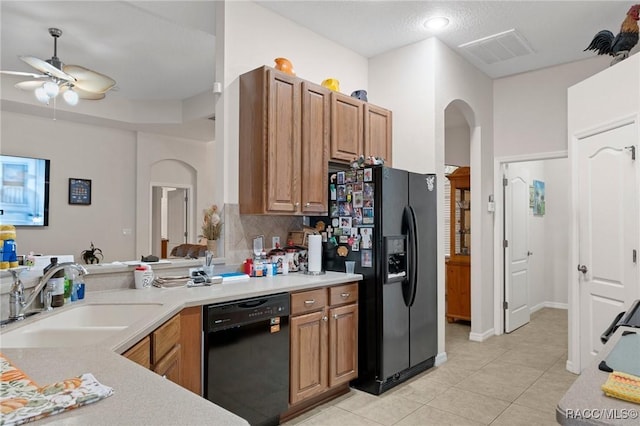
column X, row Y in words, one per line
column 72, row 81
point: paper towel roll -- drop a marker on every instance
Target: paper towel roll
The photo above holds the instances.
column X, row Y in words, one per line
column 315, row 253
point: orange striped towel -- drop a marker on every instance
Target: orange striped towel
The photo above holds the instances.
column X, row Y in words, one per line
column 22, row 400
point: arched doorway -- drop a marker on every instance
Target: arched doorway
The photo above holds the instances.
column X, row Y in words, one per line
column 457, row 217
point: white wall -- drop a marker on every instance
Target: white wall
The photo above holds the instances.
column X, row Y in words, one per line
column 557, row 230
column 164, row 161
column 458, row 81
column 418, row 82
column 255, row 36
column 457, row 149
column 104, row 155
column 530, row 109
column 119, row 164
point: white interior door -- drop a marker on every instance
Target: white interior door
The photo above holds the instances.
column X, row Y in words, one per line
column 607, row 231
column 516, row 253
column 176, row 217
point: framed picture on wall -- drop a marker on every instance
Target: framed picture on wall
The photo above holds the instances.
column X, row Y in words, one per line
column 80, row 191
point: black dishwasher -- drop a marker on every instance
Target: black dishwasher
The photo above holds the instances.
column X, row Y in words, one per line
column 246, row 357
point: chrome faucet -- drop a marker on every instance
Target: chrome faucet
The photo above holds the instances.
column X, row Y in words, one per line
column 17, row 303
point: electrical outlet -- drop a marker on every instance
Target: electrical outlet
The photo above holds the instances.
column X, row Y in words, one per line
column 275, row 241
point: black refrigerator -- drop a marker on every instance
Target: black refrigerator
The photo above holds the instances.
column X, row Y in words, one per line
column 384, row 219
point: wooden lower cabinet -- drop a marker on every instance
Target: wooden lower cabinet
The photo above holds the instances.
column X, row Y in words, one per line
column 308, row 356
column 323, row 344
column 173, row 350
column 343, row 342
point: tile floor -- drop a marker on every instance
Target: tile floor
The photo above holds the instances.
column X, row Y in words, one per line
column 514, row 379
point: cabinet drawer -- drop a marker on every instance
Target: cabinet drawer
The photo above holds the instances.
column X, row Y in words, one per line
column 141, row 353
column 341, row 294
column 308, row 301
column 165, row 338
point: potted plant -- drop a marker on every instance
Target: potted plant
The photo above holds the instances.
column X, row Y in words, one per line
column 211, row 228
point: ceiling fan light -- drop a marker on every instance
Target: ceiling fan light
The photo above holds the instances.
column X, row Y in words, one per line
column 71, row 97
column 51, row 89
column 41, row 95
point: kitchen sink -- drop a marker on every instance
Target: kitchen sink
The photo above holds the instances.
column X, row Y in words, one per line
column 82, row 325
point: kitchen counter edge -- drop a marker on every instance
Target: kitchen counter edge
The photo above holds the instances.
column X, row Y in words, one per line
column 141, row 396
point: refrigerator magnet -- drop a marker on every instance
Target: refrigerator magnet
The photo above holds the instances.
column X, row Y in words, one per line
column 357, row 199
column 340, row 178
column 356, row 245
column 359, row 175
column 334, row 209
column 345, row 222
column 350, row 176
column 357, row 217
column 344, row 239
column 367, row 176
column 366, row 259
column 342, row 193
column 332, row 189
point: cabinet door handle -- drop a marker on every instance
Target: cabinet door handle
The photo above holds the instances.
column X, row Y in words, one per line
column 296, row 204
column 309, row 302
column 335, row 316
column 307, row 204
column 345, row 295
column 324, row 318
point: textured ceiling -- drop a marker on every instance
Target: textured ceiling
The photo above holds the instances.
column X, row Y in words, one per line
column 165, row 49
column 154, row 50
column 558, row 31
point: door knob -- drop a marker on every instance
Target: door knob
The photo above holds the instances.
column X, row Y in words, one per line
column 529, row 253
column 582, row 268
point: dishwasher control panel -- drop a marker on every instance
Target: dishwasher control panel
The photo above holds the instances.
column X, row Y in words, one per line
column 246, row 311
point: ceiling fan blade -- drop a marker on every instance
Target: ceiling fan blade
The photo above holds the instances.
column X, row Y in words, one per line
column 29, row 85
column 83, row 94
column 46, row 68
column 24, row 74
column 88, row 80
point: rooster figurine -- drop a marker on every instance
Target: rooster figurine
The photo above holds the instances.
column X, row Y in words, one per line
column 605, row 44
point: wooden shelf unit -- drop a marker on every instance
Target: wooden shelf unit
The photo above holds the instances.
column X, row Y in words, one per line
column 458, row 266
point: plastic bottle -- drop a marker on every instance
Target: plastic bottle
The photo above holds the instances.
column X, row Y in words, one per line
column 56, row 284
column 68, row 282
column 9, row 257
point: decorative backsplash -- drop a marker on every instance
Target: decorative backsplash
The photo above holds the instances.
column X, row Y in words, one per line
column 241, row 229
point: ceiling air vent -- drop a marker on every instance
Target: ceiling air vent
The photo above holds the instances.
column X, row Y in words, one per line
column 498, row 47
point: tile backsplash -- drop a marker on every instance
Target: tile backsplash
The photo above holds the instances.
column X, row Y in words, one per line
column 239, row 231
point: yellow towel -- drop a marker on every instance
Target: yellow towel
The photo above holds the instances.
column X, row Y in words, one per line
column 623, row 386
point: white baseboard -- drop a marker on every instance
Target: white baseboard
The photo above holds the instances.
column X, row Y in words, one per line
column 481, row 337
column 571, row 368
column 554, row 305
column 441, row 358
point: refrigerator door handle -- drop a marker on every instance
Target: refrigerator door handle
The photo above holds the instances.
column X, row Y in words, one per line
column 409, row 217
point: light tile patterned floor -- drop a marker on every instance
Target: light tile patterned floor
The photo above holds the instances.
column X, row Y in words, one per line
column 513, row 379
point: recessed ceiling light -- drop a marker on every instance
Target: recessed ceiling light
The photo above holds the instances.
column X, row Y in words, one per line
column 436, row 22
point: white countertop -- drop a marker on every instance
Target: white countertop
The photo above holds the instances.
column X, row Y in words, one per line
column 586, row 404
column 142, row 397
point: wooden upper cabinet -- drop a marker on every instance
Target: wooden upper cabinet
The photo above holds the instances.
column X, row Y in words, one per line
column 347, row 127
column 316, row 121
column 377, row 132
column 283, row 143
column 284, row 140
